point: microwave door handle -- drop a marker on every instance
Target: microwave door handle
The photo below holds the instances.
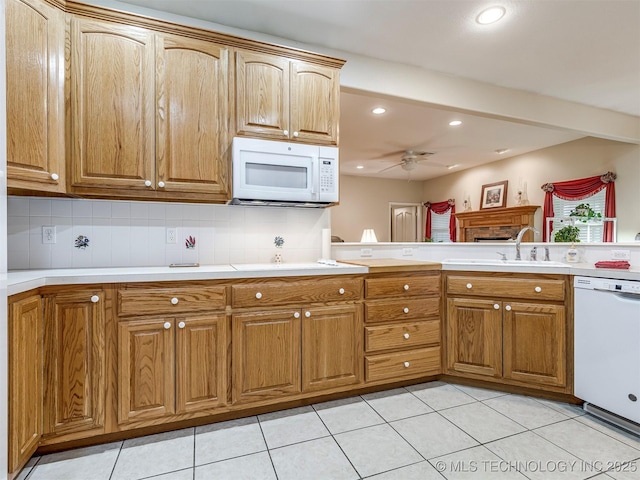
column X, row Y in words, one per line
column 314, row 165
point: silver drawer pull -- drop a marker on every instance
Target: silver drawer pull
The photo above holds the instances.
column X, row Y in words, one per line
column 406, row 335
column 258, row 295
column 174, row 301
column 405, row 310
column 406, row 364
column 95, row 299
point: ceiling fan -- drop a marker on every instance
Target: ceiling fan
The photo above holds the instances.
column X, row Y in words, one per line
column 410, row 160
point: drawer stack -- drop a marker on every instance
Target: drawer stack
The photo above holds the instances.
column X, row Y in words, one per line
column 402, row 325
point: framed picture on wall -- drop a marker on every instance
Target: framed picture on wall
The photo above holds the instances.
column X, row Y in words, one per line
column 494, row 195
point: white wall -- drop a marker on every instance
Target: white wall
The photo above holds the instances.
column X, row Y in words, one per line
column 126, row 233
column 364, row 203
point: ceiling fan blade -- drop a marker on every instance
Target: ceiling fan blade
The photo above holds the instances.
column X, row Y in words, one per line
column 388, row 154
column 390, row 167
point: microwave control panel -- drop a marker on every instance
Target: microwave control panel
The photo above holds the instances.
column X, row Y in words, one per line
column 327, row 176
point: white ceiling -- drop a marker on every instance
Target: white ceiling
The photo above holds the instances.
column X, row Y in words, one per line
column 585, row 51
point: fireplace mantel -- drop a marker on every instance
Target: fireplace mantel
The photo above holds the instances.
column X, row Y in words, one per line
column 496, row 223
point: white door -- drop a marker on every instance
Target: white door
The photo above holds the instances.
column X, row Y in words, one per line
column 405, row 222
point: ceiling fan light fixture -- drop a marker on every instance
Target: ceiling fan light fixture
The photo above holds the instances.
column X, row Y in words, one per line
column 490, row 15
column 455, row 123
column 378, row 110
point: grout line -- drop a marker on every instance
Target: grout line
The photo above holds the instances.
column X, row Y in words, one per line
column 113, row 469
column 273, row 466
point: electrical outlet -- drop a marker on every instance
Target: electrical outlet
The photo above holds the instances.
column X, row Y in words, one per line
column 172, row 235
column 48, row 234
column 620, row 254
column 407, row 252
column 366, row 252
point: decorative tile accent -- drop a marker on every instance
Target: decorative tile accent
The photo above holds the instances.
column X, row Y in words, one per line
column 190, row 242
column 82, row 242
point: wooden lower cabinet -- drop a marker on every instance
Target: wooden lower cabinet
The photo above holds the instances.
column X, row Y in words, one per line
column 170, row 366
column 74, row 364
column 331, row 347
column 25, row 379
column 266, row 355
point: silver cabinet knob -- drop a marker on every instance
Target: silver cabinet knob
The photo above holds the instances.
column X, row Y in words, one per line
column 285, row 133
column 406, row 336
column 295, row 134
column 496, row 306
column 405, row 310
column 95, row 298
column 538, row 289
column 341, row 291
column 406, row 287
column 258, row 295
column 307, row 314
column 54, row 176
column 174, row 301
column 508, row 308
column 469, row 286
column 406, row 364
column 161, row 184
column 296, row 315
column 167, row 325
column 147, row 183
column 181, row 325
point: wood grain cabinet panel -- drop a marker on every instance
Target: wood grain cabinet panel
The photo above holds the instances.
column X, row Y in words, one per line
column 402, row 310
column 331, row 347
column 25, row 379
column 170, row 300
column 403, row 286
column 112, row 105
column 75, row 366
column 402, row 335
column 266, row 355
column 474, row 333
column 35, row 34
column 396, row 365
column 527, row 288
column 192, row 90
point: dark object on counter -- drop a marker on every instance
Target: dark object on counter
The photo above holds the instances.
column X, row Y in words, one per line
column 335, row 238
column 620, row 264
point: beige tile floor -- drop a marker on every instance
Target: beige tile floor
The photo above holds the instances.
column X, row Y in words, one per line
column 428, row 431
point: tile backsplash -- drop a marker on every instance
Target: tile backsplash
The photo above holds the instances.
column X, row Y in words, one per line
column 103, row 233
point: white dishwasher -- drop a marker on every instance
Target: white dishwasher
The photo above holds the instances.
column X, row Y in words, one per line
column 607, row 348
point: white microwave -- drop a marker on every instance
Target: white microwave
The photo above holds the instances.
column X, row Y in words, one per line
column 268, row 172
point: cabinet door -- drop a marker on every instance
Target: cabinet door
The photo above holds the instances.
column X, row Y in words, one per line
column 474, row 337
column 145, row 369
column 25, row 380
column 332, row 352
column 201, row 363
column 266, row 355
column 74, row 362
column 192, row 89
column 315, row 103
column 535, row 343
column 262, row 95
column 35, row 95
column 112, row 113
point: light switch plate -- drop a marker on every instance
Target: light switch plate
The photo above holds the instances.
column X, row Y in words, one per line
column 620, row 254
column 407, row 252
column 48, row 234
column 366, row 252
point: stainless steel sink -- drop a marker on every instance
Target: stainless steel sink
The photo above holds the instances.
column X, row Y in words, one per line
column 498, row 263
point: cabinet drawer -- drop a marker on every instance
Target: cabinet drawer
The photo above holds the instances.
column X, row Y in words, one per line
column 256, row 294
column 425, row 361
column 402, row 286
column 401, row 335
column 528, row 288
column 406, row 309
column 151, row 301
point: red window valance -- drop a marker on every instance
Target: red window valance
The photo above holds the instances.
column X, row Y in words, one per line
column 441, row 208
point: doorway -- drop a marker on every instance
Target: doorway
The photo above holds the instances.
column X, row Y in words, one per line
column 405, row 222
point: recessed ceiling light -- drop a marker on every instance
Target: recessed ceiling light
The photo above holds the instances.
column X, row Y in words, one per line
column 360, row 167
column 490, row 15
column 500, row 151
column 455, row 123
column 378, row 110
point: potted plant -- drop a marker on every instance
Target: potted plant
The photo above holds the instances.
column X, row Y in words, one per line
column 584, row 212
column 567, row 234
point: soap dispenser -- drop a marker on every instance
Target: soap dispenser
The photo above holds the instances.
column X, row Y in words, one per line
column 572, row 254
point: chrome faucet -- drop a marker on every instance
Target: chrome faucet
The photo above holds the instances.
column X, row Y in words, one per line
column 519, row 239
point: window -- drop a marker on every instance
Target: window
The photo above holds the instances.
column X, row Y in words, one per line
column 440, row 226
column 591, row 231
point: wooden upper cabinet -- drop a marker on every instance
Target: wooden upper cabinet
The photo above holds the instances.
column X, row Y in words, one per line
column 315, row 103
column 192, row 90
column 74, row 365
column 286, row 100
column 35, row 33
column 25, row 380
column 112, row 105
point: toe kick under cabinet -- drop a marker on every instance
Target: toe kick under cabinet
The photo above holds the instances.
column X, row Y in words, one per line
column 402, row 326
column 509, row 328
